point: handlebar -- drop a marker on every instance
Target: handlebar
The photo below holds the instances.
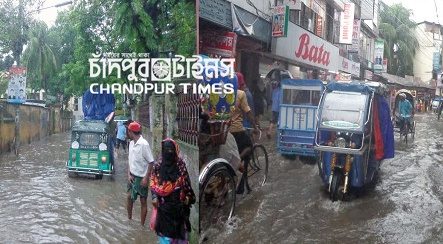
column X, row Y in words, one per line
column 260, row 132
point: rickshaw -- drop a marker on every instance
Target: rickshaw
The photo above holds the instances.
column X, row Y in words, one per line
column 409, row 129
column 354, row 134
column 219, row 176
column 91, row 150
column 297, row 117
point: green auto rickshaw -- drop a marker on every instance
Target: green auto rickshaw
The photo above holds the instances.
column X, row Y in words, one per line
column 92, row 139
column 91, row 150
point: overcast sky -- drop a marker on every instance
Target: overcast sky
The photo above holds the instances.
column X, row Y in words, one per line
column 423, row 10
column 50, row 15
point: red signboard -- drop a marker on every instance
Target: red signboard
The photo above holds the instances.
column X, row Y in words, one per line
column 221, row 44
column 319, row 27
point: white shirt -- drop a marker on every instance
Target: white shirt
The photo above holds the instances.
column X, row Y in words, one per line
column 140, row 156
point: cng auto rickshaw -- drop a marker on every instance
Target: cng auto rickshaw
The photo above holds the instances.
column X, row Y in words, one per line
column 91, row 150
column 92, row 139
column 297, row 117
column 354, row 134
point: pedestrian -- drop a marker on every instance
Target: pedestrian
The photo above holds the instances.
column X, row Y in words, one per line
column 121, row 136
column 139, row 169
column 172, row 195
column 276, row 90
column 259, row 99
column 244, row 87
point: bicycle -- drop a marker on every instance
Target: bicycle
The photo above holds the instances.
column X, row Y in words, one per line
column 258, row 167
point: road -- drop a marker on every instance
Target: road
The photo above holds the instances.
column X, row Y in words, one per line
column 404, row 206
column 39, row 203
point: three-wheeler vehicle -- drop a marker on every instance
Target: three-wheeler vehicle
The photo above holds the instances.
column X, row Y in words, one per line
column 408, row 129
column 92, row 139
column 354, row 134
column 297, row 117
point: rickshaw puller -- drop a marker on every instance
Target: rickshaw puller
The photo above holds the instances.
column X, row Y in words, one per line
column 405, row 110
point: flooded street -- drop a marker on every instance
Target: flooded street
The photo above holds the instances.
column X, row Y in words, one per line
column 39, row 203
column 405, row 206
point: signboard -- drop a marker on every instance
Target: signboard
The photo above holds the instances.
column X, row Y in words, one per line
column 385, row 65
column 219, row 44
column 302, row 46
column 319, row 26
column 280, row 19
column 347, row 24
column 17, row 85
column 436, row 62
column 293, row 4
column 216, row 11
column 350, row 67
column 368, row 74
column 378, row 54
column 355, row 37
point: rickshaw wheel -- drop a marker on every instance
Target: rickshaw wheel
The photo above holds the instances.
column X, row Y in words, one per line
column 99, row 177
column 217, row 198
column 72, row 174
column 337, row 179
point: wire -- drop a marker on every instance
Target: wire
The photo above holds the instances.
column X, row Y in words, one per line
column 436, row 11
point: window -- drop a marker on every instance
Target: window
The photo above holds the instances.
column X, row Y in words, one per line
column 329, row 23
column 307, row 18
column 188, row 117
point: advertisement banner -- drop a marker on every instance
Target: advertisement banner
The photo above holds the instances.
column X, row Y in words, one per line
column 219, row 44
column 436, row 62
column 347, row 24
column 355, row 37
column 17, row 85
column 350, row 67
column 378, row 54
column 302, row 46
column 280, row 19
column 385, row 65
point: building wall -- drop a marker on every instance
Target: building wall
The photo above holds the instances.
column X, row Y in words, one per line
column 34, row 122
column 424, row 53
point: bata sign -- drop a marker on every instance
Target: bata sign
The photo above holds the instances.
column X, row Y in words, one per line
column 302, row 46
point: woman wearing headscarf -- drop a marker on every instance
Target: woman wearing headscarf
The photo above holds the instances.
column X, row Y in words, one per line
column 172, row 195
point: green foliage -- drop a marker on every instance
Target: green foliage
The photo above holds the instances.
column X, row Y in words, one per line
column 397, row 29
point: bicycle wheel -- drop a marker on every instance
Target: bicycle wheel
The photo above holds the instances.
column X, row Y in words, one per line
column 258, row 166
column 217, row 198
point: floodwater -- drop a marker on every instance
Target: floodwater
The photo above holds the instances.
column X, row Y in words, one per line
column 404, row 205
column 39, row 203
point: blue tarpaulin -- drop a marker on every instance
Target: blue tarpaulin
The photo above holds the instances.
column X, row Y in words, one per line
column 354, row 86
column 97, row 106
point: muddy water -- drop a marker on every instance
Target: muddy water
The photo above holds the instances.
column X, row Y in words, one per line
column 404, row 206
column 40, row 204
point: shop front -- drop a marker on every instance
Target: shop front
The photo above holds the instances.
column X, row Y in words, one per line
column 310, row 56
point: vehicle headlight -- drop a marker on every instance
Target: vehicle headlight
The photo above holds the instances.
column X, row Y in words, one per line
column 102, row 147
column 104, row 159
column 75, row 145
column 340, row 142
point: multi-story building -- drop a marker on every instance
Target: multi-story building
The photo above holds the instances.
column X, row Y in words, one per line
column 427, row 59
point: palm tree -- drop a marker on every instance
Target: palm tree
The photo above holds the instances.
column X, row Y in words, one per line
column 397, row 30
column 41, row 61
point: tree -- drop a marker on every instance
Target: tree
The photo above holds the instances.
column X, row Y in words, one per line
column 41, row 61
column 397, row 30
